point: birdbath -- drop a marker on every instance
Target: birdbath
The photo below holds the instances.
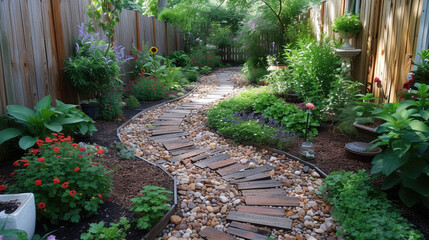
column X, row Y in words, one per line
column 347, row 55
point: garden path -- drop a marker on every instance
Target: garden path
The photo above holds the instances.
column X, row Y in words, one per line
column 226, row 190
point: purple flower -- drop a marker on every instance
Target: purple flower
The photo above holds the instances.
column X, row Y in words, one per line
column 51, row 237
column 253, row 26
column 197, row 39
column 77, row 47
column 70, row 60
column 274, row 43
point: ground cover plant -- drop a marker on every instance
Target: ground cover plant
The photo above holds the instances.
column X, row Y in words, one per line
column 363, row 210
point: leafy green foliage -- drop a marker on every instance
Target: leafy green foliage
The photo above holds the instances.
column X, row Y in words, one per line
column 67, row 180
column 190, row 73
column 110, row 108
column 148, row 89
column 365, row 107
column 148, row 64
column 132, row 102
column 150, row 205
column 205, row 70
column 114, row 232
column 179, row 58
column 254, row 69
column 43, row 120
column 422, row 70
column 347, row 23
column 202, row 57
column 363, row 210
column 124, row 152
column 406, row 135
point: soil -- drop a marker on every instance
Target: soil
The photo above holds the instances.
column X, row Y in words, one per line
column 9, row 206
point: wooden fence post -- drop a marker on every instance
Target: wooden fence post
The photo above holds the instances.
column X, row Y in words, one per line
column 138, row 30
column 166, row 38
column 154, row 31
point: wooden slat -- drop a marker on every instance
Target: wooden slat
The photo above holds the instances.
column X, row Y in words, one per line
column 164, row 132
column 254, row 192
column 258, row 176
column 212, row 234
column 250, row 228
column 177, row 111
column 248, row 172
column 163, row 128
column 222, row 163
column 167, row 123
column 173, row 115
column 260, row 219
column 174, row 145
column 187, row 155
column 167, row 140
column 206, row 155
column 168, row 136
column 272, row 200
column 246, row 234
column 170, row 118
column 205, row 163
column 231, row 169
column 259, row 184
column 183, row 150
column 275, row 212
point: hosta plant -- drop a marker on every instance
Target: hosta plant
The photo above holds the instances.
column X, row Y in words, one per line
column 67, row 180
column 406, row 136
column 150, row 205
column 30, row 125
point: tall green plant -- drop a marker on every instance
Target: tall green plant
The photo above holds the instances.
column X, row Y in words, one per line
column 406, row 136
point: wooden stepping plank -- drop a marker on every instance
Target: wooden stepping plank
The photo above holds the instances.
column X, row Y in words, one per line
column 223, row 163
column 214, row 97
column 258, row 176
column 206, row 155
column 269, row 191
column 260, row 219
column 276, row 212
column 163, row 128
column 167, row 123
column 190, row 107
column 205, row 163
column 231, row 169
column 246, row 234
column 212, row 234
column 164, row 132
column 259, row 184
column 173, row 115
column 187, row 155
column 177, row 145
column 178, row 111
column 173, row 135
column 191, row 104
column 250, row 228
column 182, row 151
column 168, row 140
column 248, row 172
column 170, row 118
column 271, row 200
column 204, row 101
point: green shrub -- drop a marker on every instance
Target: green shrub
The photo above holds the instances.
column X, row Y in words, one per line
column 406, row 135
column 114, row 232
column 179, row 58
column 364, row 108
column 67, row 180
column 110, row 108
column 254, row 69
column 132, row 102
column 205, row 70
column 191, row 73
column 30, row 125
column 150, row 205
column 148, row 89
column 364, row 211
column 202, row 57
column 124, row 152
column 347, row 23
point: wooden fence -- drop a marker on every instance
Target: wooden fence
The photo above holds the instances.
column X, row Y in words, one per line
column 37, row 35
column 388, row 40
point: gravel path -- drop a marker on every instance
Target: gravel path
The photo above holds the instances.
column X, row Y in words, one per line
column 227, row 191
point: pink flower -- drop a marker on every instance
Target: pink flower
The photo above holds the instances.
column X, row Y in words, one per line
column 310, row 105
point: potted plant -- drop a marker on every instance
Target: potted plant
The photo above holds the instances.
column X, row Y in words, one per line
column 347, row 26
column 18, row 211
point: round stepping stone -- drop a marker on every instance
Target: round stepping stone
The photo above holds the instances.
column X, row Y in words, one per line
column 360, row 148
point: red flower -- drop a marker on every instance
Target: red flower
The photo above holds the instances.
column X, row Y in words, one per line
column 310, row 106
column 79, row 155
column 139, row 194
column 39, row 143
column 42, row 205
column 65, row 184
column 99, row 195
column 72, row 192
column 88, row 154
column 2, row 187
column 75, row 144
column 97, row 146
column 377, row 80
column 407, row 84
column 41, row 159
column 26, row 164
column 100, row 151
column 55, row 139
column 56, row 180
column 48, row 140
column 54, row 134
column 16, row 163
column 12, row 173
column 82, row 149
column 38, row 182
column 35, row 151
column 56, row 149
column 76, row 169
column 95, row 164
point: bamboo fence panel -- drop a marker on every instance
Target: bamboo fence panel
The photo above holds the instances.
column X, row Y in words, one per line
column 388, row 41
column 37, row 36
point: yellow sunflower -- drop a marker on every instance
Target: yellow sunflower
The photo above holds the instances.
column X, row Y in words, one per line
column 153, row 50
